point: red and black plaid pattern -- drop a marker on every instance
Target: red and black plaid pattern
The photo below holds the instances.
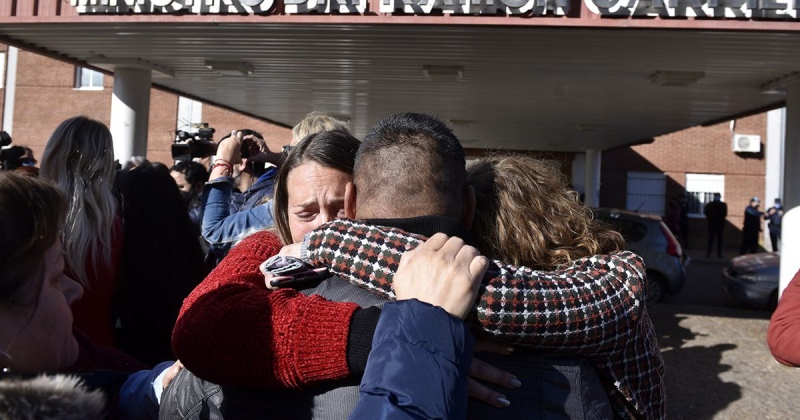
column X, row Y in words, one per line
column 594, row 307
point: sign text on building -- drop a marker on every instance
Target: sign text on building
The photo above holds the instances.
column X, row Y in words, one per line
column 732, row 9
column 245, row 7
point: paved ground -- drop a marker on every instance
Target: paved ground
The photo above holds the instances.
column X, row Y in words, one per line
column 718, row 363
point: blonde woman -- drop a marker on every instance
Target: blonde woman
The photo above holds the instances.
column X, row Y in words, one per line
column 79, row 158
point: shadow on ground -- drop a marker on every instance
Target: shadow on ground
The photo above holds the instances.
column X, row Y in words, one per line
column 695, row 389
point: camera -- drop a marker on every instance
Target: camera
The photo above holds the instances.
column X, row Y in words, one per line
column 200, row 144
column 12, row 157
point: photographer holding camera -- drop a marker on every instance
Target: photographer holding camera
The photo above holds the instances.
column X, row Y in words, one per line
column 16, row 158
column 228, row 219
column 236, row 199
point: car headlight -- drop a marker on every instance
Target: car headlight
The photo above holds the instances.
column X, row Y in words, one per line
column 749, row 277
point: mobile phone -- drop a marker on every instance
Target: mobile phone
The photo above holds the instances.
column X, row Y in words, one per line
column 299, row 278
column 290, row 271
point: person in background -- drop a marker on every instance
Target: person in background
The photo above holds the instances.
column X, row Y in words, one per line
column 673, row 216
column 683, row 220
column 716, row 211
column 162, row 262
column 752, row 227
column 79, row 158
column 134, row 162
column 191, row 176
column 775, row 215
column 289, row 340
column 783, row 335
column 79, row 379
column 222, row 227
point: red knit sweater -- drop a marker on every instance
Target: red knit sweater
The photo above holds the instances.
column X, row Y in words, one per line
column 783, row 335
column 92, row 313
column 232, row 330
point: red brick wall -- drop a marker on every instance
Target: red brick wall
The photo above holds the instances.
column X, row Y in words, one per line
column 706, row 150
column 45, row 97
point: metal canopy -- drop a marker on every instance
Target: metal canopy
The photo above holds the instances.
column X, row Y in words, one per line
column 521, row 87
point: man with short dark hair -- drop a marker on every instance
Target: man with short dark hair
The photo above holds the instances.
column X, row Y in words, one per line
column 416, row 167
column 410, row 174
column 716, row 212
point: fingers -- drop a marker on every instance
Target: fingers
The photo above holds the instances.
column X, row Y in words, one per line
column 171, row 373
column 434, row 243
column 443, row 272
column 481, row 370
column 483, row 393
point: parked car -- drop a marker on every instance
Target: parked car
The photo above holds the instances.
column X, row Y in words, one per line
column 648, row 236
column 753, row 279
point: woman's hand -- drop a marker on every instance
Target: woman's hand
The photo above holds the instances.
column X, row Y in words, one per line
column 230, row 149
column 172, row 372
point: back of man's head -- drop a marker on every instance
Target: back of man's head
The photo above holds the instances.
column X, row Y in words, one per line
column 410, row 165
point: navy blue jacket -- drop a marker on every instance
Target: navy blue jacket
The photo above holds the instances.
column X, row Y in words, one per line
column 417, row 368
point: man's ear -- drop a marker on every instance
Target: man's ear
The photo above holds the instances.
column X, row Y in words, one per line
column 468, row 211
column 350, row 194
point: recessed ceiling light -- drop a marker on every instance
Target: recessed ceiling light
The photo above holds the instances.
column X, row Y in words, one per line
column 443, row 73
column 676, row 78
column 230, row 68
column 778, row 85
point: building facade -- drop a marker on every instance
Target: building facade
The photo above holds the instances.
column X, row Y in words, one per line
column 48, row 91
column 698, row 161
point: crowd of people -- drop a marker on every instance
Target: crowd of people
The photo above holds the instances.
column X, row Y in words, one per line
column 152, row 291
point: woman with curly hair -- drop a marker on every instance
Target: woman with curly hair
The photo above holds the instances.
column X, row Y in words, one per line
column 79, row 158
column 526, row 215
column 555, row 293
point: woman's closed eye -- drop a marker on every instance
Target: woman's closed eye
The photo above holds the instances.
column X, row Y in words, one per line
column 306, row 216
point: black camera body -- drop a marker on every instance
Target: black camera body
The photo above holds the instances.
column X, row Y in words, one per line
column 10, row 157
column 188, row 146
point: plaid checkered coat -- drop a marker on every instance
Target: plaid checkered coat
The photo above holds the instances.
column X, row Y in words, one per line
column 594, row 307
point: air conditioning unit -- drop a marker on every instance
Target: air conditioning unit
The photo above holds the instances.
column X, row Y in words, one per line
column 746, row 143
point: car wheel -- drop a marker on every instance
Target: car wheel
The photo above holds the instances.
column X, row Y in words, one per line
column 656, row 287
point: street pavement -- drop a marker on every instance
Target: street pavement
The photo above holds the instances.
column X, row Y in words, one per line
column 716, row 355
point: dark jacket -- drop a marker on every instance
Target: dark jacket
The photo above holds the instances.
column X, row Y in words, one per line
column 716, row 212
column 418, row 365
column 564, row 387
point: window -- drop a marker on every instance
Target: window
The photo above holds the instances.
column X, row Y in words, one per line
column 646, row 192
column 88, row 79
column 701, row 189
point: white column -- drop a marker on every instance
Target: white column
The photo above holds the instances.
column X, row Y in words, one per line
column 791, row 147
column 790, row 226
column 790, row 244
column 592, row 177
column 776, row 124
column 130, row 110
column 10, row 91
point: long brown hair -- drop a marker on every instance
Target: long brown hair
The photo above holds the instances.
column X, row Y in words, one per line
column 526, row 215
column 32, row 211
